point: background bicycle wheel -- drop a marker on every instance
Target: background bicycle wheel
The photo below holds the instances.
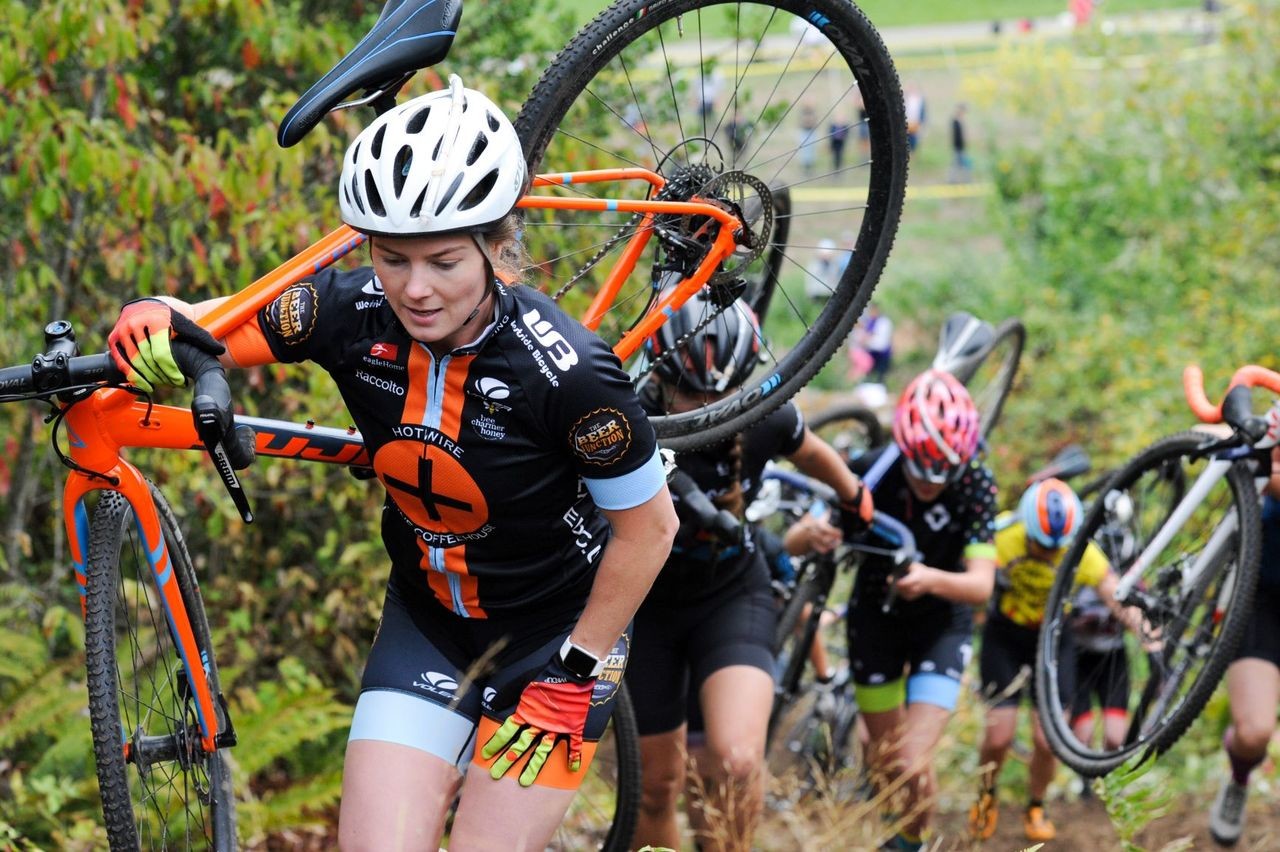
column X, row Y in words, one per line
column 731, row 101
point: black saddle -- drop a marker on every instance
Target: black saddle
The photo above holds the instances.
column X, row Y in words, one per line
column 409, row 35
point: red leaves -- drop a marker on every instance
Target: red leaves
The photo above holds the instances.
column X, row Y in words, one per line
column 124, row 105
column 249, row 55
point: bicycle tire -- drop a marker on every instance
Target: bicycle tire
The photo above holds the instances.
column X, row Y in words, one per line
column 587, row 825
column 137, row 677
column 1207, row 621
column 851, row 429
column 992, row 381
column 590, row 91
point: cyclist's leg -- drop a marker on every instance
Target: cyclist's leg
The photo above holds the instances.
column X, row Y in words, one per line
column 933, row 690
column 503, row 814
column 658, row 680
column 1253, row 684
column 407, row 744
column 736, row 702
column 999, row 665
column 732, row 667
column 662, row 761
column 1113, row 697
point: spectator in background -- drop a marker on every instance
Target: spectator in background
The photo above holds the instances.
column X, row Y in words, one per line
column 837, row 134
column 739, row 131
column 961, row 164
column 874, row 335
column 808, row 139
column 823, row 272
column 914, row 101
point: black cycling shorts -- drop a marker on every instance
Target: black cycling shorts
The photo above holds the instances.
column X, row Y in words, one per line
column 1007, row 663
column 1262, row 634
column 1102, row 676
column 677, row 647
column 423, row 685
column 898, row 660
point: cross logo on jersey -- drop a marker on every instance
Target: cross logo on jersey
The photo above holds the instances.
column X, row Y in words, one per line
column 431, row 487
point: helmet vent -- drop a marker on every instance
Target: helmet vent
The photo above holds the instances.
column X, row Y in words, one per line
column 354, row 193
column 404, row 158
column 376, row 148
column 477, row 149
column 419, row 120
column 449, row 193
column 371, row 192
column 416, row 210
column 493, row 122
column 480, row 192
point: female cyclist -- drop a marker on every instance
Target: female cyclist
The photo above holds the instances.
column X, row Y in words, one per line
column 908, row 661
column 526, row 511
column 1253, row 680
column 706, row 629
column 1028, row 549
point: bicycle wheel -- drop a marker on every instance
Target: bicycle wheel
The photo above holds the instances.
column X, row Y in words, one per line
column 996, row 370
column 795, row 633
column 851, row 429
column 671, row 87
column 603, row 814
column 168, row 793
column 1193, row 620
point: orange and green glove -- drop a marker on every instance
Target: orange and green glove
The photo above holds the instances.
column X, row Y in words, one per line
column 139, row 343
column 552, row 707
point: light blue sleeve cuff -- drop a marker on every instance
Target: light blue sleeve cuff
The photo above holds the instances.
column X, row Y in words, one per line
column 631, row 489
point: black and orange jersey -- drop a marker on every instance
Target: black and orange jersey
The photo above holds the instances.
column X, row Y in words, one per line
column 496, row 457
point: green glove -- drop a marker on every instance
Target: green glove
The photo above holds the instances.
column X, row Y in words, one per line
column 139, row 343
column 552, row 706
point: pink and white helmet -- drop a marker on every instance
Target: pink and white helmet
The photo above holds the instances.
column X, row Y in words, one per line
column 936, row 426
column 445, row 161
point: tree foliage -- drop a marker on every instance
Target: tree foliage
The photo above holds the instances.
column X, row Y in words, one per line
column 139, row 159
column 1140, row 213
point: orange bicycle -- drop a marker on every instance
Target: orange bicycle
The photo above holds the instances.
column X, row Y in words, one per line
column 689, row 216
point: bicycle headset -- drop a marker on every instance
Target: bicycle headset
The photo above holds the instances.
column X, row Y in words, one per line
column 1051, row 512
column 715, row 358
column 936, row 426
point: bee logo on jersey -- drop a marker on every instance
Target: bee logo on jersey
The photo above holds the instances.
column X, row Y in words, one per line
column 601, row 436
column 293, row 314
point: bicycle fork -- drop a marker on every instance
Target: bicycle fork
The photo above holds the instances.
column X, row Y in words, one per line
column 193, row 682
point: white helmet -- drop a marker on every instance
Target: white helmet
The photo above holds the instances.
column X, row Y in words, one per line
column 445, row 161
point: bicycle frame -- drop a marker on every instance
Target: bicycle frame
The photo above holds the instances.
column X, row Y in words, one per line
column 110, row 419
column 1217, row 468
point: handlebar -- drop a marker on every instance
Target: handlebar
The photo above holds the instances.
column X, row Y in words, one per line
column 902, row 555
column 61, row 372
column 720, row 522
column 1236, row 409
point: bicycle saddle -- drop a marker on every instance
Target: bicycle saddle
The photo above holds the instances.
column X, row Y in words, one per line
column 409, row 35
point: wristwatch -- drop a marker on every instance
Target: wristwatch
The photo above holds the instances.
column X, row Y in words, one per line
column 579, row 661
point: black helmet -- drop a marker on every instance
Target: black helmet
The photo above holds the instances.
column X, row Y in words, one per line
column 718, row 357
